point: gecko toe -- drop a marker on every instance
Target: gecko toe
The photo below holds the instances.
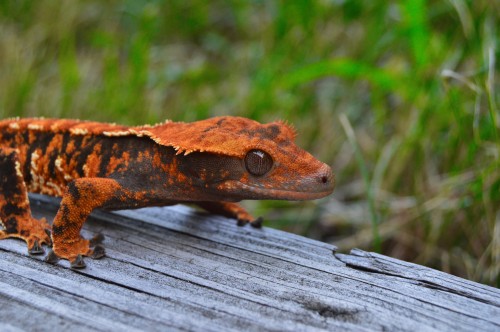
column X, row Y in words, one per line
column 78, row 263
column 52, row 257
column 97, row 239
column 241, row 222
column 36, row 249
column 257, row 223
column 98, row 252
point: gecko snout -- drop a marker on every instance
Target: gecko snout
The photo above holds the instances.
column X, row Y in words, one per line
column 326, row 178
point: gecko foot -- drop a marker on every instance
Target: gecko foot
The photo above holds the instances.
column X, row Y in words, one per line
column 78, row 263
column 29, row 229
column 75, row 250
column 255, row 223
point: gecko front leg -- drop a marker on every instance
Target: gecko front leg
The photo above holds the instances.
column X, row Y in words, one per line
column 15, row 212
column 82, row 196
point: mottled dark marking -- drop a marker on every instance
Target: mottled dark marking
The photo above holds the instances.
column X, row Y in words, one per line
column 273, row 132
column 11, row 209
column 65, row 140
column 132, row 146
column 285, row 144
column 26, row 136
column 106, row 154
column 133, row 149
column 41, row 143
column 73, row 191
column 58, row 230
column 264, row 133
column 59, row 151
column 10, row 225
column 210, row 168
column 84, row 147
column 52, row 162
column 220, row 122
column 9, row 182
column 9, row 136
column 76, row 141
column 26, row 169
column 166, row 154
column 245, row 132
column 209, row 129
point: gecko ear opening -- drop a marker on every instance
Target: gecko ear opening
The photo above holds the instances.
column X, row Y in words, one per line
column 258, row 162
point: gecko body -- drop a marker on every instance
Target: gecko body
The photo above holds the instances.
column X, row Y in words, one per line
column 212, row 163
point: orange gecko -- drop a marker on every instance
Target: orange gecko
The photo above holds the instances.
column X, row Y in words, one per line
column 211, row 163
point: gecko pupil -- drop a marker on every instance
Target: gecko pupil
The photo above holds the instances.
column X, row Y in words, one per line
column 258, row 162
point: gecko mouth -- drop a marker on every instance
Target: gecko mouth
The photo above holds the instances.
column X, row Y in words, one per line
column 244, row 191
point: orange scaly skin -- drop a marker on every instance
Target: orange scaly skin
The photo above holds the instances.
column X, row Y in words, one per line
column 211, row 163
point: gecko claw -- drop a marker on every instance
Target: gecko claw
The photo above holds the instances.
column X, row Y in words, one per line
column 99, row 252
column 36, row 249
column 52, row 257
column 78, row 263
column 241, row 222
column 257, row 223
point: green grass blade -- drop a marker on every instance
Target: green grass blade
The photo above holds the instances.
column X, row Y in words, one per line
column 351, row 137
column 342, row 67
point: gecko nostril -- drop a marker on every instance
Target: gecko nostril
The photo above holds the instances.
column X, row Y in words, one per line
column 325, row 177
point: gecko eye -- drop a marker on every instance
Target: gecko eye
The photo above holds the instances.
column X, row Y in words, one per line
column 258, row 162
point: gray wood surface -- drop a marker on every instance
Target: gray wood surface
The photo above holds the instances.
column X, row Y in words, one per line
column 176, row 269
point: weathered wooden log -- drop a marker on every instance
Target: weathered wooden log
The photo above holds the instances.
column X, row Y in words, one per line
column 174, row 268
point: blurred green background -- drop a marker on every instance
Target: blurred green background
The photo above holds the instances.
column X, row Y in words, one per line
column 401, row 98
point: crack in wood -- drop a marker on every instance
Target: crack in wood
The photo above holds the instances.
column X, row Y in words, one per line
column 370, row 264
column 177, row 272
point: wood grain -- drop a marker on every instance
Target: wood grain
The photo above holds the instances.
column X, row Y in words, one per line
column 177, row 269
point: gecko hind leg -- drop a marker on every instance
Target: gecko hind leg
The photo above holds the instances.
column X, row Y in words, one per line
column 15, row 211
column 231, row 210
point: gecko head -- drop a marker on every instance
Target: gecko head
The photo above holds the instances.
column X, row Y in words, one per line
column 282, row 174
column 265, row 163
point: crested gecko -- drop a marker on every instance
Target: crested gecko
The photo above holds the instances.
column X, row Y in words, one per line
column 211, row 163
